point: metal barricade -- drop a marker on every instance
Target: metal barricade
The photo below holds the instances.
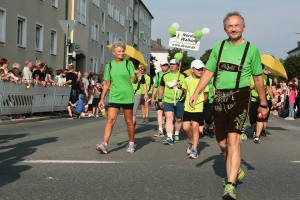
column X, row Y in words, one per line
column 17, row 99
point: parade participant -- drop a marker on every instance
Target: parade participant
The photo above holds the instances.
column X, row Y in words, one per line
column 145, row 103
column 232, row 61
column 170, row 88
column 259, row 125
column 118, row 77
column 193, row 116
column 164, row 65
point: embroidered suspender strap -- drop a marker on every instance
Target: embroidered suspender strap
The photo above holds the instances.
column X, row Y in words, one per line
column 240, row 68
column 218, row 61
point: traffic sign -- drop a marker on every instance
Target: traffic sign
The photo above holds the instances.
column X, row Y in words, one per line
column 67, row 25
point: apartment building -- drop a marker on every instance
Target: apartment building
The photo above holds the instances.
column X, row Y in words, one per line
column 30, row 29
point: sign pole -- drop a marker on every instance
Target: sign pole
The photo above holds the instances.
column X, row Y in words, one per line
column 182, row 50
column 67, row 47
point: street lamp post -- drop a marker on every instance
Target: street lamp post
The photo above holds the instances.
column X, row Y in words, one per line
column 297, row 32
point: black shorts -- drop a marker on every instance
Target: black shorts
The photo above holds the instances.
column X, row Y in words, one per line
column 157, row 107
column 193, row 116
column 253, row 112
column 90, row 107
column 95, row 102
column 127, row 106
column 230, row 110
column 208, row 113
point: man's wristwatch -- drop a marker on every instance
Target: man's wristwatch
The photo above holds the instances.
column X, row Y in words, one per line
column 264, row 106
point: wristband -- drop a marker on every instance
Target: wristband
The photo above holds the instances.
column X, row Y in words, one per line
column 263, row 106
column 159, row 100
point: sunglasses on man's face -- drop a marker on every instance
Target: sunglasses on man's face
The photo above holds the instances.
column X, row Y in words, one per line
column 199, row 70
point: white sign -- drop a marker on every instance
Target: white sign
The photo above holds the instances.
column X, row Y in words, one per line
column 67, row 25
column 185, row 40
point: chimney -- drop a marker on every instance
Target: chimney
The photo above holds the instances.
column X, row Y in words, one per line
column 298, row 43
column 158, row 41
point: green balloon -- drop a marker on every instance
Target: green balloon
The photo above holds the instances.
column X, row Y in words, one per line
column 178, row 56
column 198, row 34
column 172, row 31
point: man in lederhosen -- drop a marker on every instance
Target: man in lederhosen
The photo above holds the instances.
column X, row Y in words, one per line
column 232, row 62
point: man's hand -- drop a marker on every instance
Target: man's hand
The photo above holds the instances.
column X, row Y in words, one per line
column 263, row 111
column 153, row 101
column 161, row 104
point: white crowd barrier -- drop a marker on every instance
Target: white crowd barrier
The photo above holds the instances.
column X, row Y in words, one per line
column 17, row 99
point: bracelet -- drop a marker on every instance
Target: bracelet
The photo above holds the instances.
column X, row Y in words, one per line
column 159, row 100
column 264, row 106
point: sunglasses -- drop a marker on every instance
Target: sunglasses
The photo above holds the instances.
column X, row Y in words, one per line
column 199, row 70
column 165, row 65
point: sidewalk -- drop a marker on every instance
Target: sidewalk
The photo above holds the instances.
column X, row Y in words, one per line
column 4, row 120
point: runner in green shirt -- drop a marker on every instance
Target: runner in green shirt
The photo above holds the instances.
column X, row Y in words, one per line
column 232, row 62
column 118, row 77
column 170, row 87
column 164, row 65
column 145, row 103
column 194, row 116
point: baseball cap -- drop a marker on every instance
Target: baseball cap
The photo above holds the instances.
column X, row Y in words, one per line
column 163, row 62
column 198, row 64
column 174, row 61
column 81, row 96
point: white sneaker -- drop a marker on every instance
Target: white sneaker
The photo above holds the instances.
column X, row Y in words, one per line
column 96, row 115
column 90, row 115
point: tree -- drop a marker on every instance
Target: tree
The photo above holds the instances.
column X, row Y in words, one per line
column 152, row 66
column 204, row 58
column 292, row 66
column 186, row 60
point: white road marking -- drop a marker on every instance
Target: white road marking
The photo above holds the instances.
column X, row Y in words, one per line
column 295, row 161
column 72, row 161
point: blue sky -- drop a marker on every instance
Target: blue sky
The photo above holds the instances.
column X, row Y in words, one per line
column 270, row 24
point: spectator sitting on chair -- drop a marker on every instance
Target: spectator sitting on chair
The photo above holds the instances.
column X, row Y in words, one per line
column 77, row 107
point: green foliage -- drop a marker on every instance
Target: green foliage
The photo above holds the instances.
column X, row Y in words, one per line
column 152, row 66
column 204, row 58
column 292, row 66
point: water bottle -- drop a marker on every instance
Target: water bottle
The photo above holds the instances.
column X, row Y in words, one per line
column 103, row 111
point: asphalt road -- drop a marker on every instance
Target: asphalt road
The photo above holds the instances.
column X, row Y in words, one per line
column 56, row 159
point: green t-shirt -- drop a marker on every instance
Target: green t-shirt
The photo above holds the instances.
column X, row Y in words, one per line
column 149, row 83
column 158, row 77
column 121, row 90
column 211, row 90
column 138, row 86
column 233, row 54
column 267, row 82
column 170, row 92
column 190, row 84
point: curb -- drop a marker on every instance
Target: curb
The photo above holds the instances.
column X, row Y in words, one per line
column 30, row 119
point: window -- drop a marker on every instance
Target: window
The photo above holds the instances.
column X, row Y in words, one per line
column 131, row 4
column 102, row 54
column 116, row 38
column 94, row 64
column 103, row 22
column 53, row 42
column 81, row 11
column 54, row 3
column 126, row 36
column 122, row 19
column 109, row 37
column 130, row 26
column 39, row 36
column 110, row 9
column 96, row 3
column 22, row 31
column 117, row 14
column 127, row 13
column 2, row 24
column 95, row 31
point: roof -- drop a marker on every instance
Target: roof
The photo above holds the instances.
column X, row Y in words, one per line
column 157, row 47
column 295, row 49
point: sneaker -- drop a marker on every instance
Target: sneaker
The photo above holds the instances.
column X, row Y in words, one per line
column 168, row 141
column 159, row 134
column 229, row 192
column 146, row 120
column 176, row 138
column 256, row 140
column 96, row 115
column 143, row 121
column 130, row 149
column 254, row 135
column 194, row 154
column 189, row 149
column 263, row 133
column 205, row 131
column 90, row 115
column 240, row 176
column 102, row 148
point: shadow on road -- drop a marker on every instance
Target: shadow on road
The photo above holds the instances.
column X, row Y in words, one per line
column 15, row 154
